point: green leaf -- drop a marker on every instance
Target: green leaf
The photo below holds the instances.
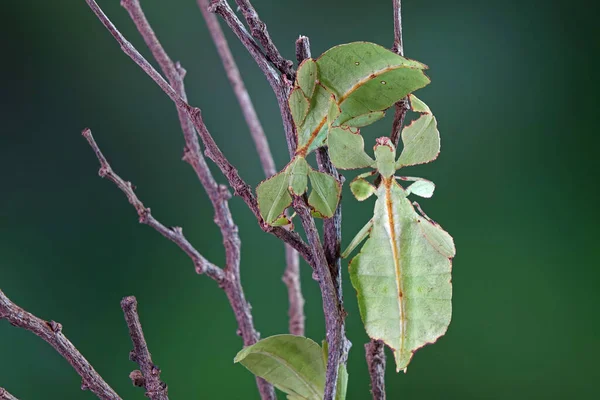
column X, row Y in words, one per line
column 342, row 383
column 361, row 188
column 402, row 276
column 325, row 193
column 421, row 138
column 293, row 364
column 421, row 187
column 365, row 119
column 306, row 78
column 298, row 106
column 366, row 77
column 298, row 175
column 273, row 197
column 334, row 111
column 347, row 149
column 313, row 131
column 282, row 221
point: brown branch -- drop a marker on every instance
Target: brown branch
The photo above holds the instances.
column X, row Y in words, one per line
column 376, row 362
column 51, row 333
column 259, row 31
column 4, row 395
column 402, row 106
column 240, row 188
column 233, row 74
column 302, row 49
column 155, row 388
column 332, row 308
column 202, row 265
column 281, row 85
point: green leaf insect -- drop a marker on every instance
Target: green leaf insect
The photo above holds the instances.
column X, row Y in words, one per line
column 293, row 364
column 348, row 87
column 402, row 275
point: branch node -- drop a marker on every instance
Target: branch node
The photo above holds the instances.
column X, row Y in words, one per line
column 55, row 326
column 137, row 378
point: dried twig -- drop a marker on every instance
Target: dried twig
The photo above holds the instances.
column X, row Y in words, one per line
column 302, row 49
column 281, row 85
column 291, row 275
column 155, row 388
column 51, row 332
column 259, row 31
column 202, row 265
column 402, row 106
column 240, row 188
column 4, row 395
column 332, row 308
column 376, row 361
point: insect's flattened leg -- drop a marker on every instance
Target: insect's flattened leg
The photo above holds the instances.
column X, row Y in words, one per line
column 421, row 187
column 418, row 207
column 360, row 236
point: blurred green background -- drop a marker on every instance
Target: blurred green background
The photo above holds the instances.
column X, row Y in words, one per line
column 515, row 92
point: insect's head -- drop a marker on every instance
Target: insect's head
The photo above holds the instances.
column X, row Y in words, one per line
column 385, row 157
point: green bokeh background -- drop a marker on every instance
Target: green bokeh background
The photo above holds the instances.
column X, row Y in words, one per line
column 514, row 90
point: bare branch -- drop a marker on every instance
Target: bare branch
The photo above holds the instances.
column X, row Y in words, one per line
column 4, row 395
column 291, row 278
column 233, row 73
column 332, row 308
column 281, row 85
column 402, row 106
column 51, row 333
column 155, row 388
column 259, row 31
column 376, row 361
column 302, row 49
column 202, row 265
column 240, row 188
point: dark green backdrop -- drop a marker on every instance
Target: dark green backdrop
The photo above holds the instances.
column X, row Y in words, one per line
column 514, row 90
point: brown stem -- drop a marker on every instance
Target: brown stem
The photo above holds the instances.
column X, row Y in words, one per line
column 334, row 319
column 51, row 333
column 281, row 85
column 291, row 276
column 155, row 388
column 402, row 106
column 202, row 265
column 376, row 362
column 241, row 189
column 259, row 31
column 237, row 83
column 4, row 395
column 302, row 49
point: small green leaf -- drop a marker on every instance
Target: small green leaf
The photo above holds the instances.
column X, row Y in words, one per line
column 325, row 193
column 306, row 77
column 298, row 106
column 366, row 77
column 293, row 364
column 273, row 197
column 421, row 187
column 361, row 188
column 365, row 119
column 313, row 131
column 298, row 174
column 334, row 111
column 347, row 149
column 282, row 221
column 342, row 383
column 421, row 138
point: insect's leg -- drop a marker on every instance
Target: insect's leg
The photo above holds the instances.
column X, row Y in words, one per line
column 360, row 236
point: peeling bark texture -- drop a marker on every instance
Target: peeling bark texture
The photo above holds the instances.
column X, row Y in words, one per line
column 375, row 355
column 4, row 395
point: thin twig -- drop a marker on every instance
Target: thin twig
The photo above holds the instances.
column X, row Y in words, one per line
column 259, row 31
column 202, row 265
column 376, row 361
column 237, row 83
column 240, row 187
column 334, row 320
column 281, row 85
column 51, row 333
column 155, row 388
column 402, row 106
column 302, row 49
column 4, row 395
